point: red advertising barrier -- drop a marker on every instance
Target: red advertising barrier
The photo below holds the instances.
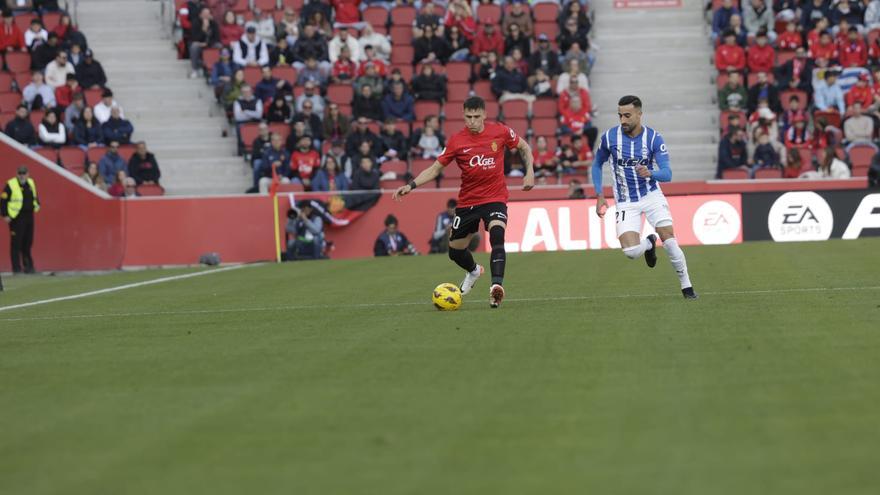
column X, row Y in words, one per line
column 573, row 225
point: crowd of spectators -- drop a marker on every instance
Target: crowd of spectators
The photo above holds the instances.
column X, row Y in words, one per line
column 54, row 98
column 798, row 87
column 362, row 94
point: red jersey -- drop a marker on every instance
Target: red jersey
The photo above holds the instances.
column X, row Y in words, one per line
column 730, row 56
column 481, row 160
column 761, row 58
column 305, row 164
column 789, row 40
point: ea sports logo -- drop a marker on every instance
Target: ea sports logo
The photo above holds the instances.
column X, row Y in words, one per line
column 482, row 161
column 800, row 216
column 716, row 222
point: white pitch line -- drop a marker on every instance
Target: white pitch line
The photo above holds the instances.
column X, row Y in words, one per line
column 119, row 288
column 411, row 303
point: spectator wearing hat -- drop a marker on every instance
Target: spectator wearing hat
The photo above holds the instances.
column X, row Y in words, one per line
column 545, row 57
column 305, row 229
column 87, row 132
column 204, row 34
column 20, row 128
column 143, row 167
column 310, row 93
column 36, row 35
column 343, row 39
column 733, row 95
column 828, row 96
column 18, row 205
column 250, row 50
column 37, row 94
column 520, row 17
column 398, row 105
column 729, row 56
column 64, row 94
column 757, row 15
column 392, row 242
column 760, row 56
column 90, row 73
column 103, row 108
column 11, row 38
column 117, row 128
column 43, row 53
column 222, row 72
column 378, row 42
column 112, row 163
column 763, row 90
column 428, row 85
column 488, row 40
column 853, row 52
column 430, row 48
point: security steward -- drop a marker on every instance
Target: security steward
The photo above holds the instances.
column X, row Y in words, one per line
column 18, row 204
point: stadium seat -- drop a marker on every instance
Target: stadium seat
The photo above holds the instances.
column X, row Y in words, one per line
column 399, row 167
column 784, row 56
column 50, row 154
column 401, row 37
column 492, row 109
column 721, row 80
column 403, row 15
column 6, row 82
column 93, row 96
column 265, row 5
column 545, row 126
column 860, row 155
column 72, row 157
column 544, row 107
column 285, row 72
column 340, row 93
column 425, row 108
column 521, row 126
column 551, row 29
column 296, row 5
column 768, row 173
column 833, row 118
column 252, row 75
column 453, row 111
column 9, row 101
column 241, row 7
column 419, row 165
column 5, row 117
column 458, row 72
column 483, row 89
column 451, row 127
column 51, row 20
column 18, row 62
column 150, row 190
column 210, row 56
column 281, row 128
column 23, row 21
column 457, row 92
column 376, row 16
column 515, row 109
column 126, row 151
column 872, row 36
column 248, row 133
column 489, row 11
column 23, row 78
column 402, row 55
column 37, row 117
column 860, row 171
column 406, row 70
column 787, row 94
column 95, row 154
column 724, row 119
column 735, row 174
column 546, row 12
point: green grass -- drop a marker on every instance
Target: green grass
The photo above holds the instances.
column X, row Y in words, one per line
column 284, row 379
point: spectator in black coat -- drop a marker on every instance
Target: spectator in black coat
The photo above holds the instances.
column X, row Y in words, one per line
column 365, row 178
column 117, row 128
column 365, row 105
column 260, row 142
column 429, row 85
column 143, row 166
column 516, row 39
column 89, row 73
column 572, row 34
column 311, row 44
column 430, row 48
column 732, row 151
column 545, row 58
column 20, row 128
column 764, row 90
column 279, row 111
column 392, row 242
column 459, row 46
column 797, row 73
column 394, row 143
column 361, row 132
column 509, row 79
column 45, row 53
column 312, row 120
column 204, row 34
column 87, row 131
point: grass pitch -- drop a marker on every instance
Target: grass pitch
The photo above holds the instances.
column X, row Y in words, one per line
column 339, row 377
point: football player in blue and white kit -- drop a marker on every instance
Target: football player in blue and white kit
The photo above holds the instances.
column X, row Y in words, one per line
column 639, row 161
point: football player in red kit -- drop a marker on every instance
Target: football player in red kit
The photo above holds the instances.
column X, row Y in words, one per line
column 478, row 150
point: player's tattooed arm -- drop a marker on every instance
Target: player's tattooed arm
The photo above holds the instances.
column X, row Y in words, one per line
column 525, row 152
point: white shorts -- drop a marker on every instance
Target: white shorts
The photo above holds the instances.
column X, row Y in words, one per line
column 654, row 206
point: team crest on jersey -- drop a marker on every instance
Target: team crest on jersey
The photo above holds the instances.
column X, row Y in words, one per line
column 494, row 146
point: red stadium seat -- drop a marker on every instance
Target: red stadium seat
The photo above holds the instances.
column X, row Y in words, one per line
column 5, row 117
column 457, row 92
column 545, row 126
column 724, row 119
column 546, row 12
column 23, row 21
column 721, row 79
column 402, row 55
column 374, row 126
column 768, row 173
column 872, row 36
column 51, row 20
column 18, row 62
column 50, row 154
column 784, row 56
column 489, row 12
column 399, row 167
column 126, row 151
column 286, row 73
column 248, row 132
column 95, row 154
column 492, row 109
column 458, row 71
column 280, row 128
column 392, row 184
column 425, row 108
column 252, row 75
column 150, row 190
column 451, row 127
column 6, row 82
column 210, row 56
column 544, row 107
column 278, row 16
column 37, row 117
column 406, row 70
column 93, row 96
column 551, row 29
column 403, row 15
column 9, row 101
column 515, row 109
column 752, row 79
column 340, row 94
column 419, row 165
column 265, row 5
column 296, row 5
column 241, row 6
column 376, row 16
column 72, row 157
column 483, row 89
column 787, row 94
column 521, row 126
column 453, row 111
column 833, row 118
column 860, row 155
column 23, row 78
column 860, row 171
column 735, row 174
column 401, row 37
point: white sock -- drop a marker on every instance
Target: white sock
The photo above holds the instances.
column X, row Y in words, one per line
column 476, row 272
column 676, row 257
column 634, row 252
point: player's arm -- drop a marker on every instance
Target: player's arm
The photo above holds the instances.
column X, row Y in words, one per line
column 426, row 176
column 525, row 152
column 661, row 156
column 602, row 155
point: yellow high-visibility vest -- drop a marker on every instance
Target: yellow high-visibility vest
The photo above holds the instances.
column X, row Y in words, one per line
column 17, row 198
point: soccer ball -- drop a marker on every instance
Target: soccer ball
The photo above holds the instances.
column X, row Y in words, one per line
column 447, row 297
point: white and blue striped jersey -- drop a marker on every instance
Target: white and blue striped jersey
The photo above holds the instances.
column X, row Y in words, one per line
column 625, row 154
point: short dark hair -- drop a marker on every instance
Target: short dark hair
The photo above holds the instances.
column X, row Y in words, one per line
column 452, row 203
column 390, row 220
column 474, row 103
column 630, row 100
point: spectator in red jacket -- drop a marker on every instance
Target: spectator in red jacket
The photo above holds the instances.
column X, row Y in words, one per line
column 230, row 30
column 813, row 35
column 344, row 69
column 574, row 117
column 11, row 38
column 304, row 161
column 64, row 94
column 461, row 16
column 860, row 93
column 488, row 40
column 761, row 55
column 790, row 39
column 574, row 89
column 825, row 48
column 347, row 12
column 730, row 56
column 853, row 53
column 797, row 136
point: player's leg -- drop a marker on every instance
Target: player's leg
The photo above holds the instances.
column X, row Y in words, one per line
column 496, row 223
column 464, row 226
column 660, row 218
column 629, row 225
